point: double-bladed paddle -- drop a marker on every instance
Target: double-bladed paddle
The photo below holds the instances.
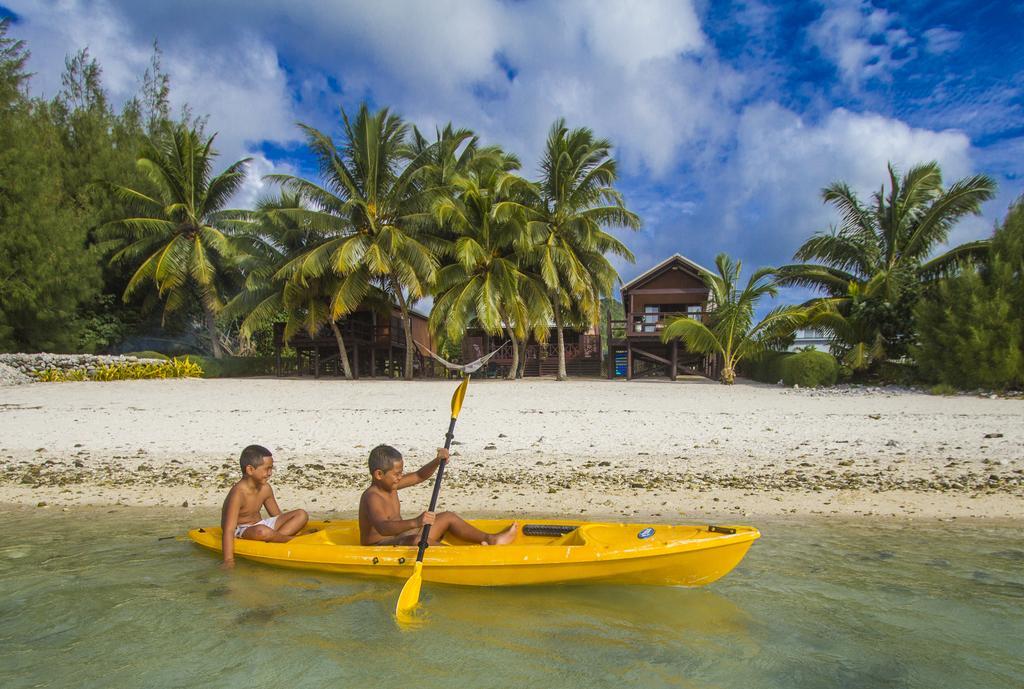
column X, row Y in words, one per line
column 410, row 596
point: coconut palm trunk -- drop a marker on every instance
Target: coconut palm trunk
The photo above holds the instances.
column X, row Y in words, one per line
column 513, row 370
column 346, row 369
column 211, row 328
column 560, row 337
column 407, row 329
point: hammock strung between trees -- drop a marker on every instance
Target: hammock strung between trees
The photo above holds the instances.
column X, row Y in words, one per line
column 466, row 369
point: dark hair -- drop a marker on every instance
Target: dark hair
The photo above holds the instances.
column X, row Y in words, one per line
column 383, row 457
column 253, row 456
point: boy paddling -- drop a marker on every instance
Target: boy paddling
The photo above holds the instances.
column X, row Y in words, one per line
column 240, row 516
column 380, row 510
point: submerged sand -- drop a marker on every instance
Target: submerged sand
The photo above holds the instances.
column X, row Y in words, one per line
column 640, row 450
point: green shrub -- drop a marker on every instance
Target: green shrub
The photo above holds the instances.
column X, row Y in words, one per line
column 896, row 373
column 767, row 368
column 943, row 389
column 173, row 368
column 236, row 366
column 148, row 355
column 810, row 369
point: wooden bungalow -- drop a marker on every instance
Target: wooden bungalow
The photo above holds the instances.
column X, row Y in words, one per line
column 582, row 353
column 671, row 289
column 374, row 342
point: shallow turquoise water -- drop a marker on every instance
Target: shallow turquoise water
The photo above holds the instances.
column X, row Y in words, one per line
column 814, row 604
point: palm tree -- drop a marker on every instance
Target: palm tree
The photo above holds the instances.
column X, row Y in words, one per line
column 844, row 320
column 571, row 206
column 374, row 208
column 731, row 332
column 174, row 232
column 879, row 256
column 485, row 282
column 273, row 237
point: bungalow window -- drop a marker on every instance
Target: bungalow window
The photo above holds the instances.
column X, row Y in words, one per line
column 651, row 317
column 656, row 316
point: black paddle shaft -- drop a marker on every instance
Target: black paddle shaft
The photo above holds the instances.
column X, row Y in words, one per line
column 437, row 488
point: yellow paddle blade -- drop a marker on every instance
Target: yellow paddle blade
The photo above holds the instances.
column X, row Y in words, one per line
column 460, row 394
column 410, row 596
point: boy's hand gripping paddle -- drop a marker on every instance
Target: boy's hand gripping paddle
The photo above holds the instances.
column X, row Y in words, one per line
column 410, row 596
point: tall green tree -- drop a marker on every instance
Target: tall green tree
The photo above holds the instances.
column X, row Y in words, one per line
column 173, row 235
column 971, row 330
column 875, row 262
column 573, row 205
column 374, row 206
column 99, row 144
column 46, row 269
column 731, row 332
column 486, row 283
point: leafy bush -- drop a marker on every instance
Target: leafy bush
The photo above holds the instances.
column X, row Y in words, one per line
column 59, row 375
column 810, row 369
column 897, row 373
column 236, row 366
column 148, row 354
column 173, row 368
column 767, row 368
column 943, row 389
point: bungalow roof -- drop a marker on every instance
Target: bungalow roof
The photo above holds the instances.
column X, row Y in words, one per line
column 696, row 267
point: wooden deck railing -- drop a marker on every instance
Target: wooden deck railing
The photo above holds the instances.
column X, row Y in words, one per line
column 589, row 348
column 353, row 331
column 651, row 323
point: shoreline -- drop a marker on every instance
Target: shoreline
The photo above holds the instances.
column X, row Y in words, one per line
column 643, row 450
column 726, row 506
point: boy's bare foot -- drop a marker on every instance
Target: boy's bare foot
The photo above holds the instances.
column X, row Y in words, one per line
column 503, row 537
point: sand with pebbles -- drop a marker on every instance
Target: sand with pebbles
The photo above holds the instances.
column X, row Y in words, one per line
column 689, row 450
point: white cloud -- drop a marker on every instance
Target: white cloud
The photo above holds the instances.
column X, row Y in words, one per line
column 782, row 162
column 237, row 82
column 255, row 188
column 632, row 34
column 642, row 75
column 864, row 42
column 719, row 168
column 939, row 40
column 242, row 89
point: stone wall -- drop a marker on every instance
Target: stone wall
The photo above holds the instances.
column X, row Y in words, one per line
column 14, row 368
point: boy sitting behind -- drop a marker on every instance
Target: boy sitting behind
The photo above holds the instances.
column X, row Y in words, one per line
column 380, row 511
column 240, row 515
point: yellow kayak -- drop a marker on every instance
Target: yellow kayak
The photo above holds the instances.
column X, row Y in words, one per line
column 544, row 552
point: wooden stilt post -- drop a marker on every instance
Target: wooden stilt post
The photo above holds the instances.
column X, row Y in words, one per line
column 316, row 361
column 373, row 361
column 355, row 361
column 629, row 360
column 611, row 352
column 675, row 357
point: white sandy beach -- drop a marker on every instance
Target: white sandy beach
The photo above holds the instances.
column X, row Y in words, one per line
column 639, row 450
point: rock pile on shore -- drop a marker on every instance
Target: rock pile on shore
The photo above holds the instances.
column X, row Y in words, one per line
column 21, row 368
column 12, row 376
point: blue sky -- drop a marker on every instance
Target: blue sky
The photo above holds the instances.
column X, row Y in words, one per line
column 727, row 117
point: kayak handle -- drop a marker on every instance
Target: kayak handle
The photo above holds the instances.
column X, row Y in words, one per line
column 721, row 529
column 547, row 529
